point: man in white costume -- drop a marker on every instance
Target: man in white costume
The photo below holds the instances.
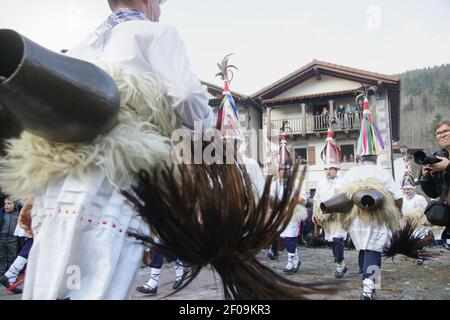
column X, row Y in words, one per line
column 254, row 173
column 81, row 248
column 371, row 231
column 413, row 202
column 326, row 188
column 290, row 234
column 413, row 208
column 133, row 38
column 370, row 238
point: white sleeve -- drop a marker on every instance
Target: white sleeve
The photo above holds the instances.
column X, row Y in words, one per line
column 393, row 187
column 316, row 195
column 256, row 176
column 422, row 202
column 303, row 192
column 340, row 184
column 168, row 59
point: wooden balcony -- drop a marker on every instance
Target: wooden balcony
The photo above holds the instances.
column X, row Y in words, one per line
column 316, row 124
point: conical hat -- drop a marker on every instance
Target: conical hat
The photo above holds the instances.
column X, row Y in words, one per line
column 228, row 121
column 331, row 154
column 370, row 142
column 284, row 160
column 408, row 179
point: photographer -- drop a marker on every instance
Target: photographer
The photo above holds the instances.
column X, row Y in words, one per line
column 435, row 176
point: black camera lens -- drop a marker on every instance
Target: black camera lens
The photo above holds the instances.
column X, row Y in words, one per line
column 422, row 158
column 419, row 157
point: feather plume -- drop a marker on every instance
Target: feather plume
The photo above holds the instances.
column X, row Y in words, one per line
column 207, row 215
column 408, row 241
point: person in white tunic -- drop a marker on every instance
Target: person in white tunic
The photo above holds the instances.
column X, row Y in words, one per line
column 413, row 205
column 81, row 248
column 335, row 233
column 290, row 234
column 413, row 208
column 326, row 188
column 370, row 238
column 255, row 174
column 372, row 234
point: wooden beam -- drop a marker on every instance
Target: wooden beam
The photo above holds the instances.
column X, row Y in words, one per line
column 317, row 73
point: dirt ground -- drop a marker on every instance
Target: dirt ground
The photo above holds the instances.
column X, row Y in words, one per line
column 401, row 279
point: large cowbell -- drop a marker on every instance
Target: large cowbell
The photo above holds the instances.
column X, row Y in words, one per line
column 54, row 96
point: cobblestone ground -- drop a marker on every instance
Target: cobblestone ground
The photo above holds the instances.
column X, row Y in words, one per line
column 401, row 279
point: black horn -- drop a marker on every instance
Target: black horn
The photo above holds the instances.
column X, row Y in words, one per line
column 339, row 203
column 54, row 96
column 368, row 199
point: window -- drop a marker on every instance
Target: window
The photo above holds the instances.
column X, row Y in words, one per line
column 300, row 154
column 305, row 155
column 348, row 153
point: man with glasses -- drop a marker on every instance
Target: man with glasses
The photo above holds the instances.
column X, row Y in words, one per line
column 436, row 176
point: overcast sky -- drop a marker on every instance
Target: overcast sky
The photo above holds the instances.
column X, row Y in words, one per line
column 269, row 38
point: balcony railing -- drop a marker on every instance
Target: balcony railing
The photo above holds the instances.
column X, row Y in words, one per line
column 294, row 123
column 311, row 124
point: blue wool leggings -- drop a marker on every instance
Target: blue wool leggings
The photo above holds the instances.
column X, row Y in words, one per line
column 25, row 251
column 338, row 245
column 368, row 260
column 157, row 259
column 290, row 244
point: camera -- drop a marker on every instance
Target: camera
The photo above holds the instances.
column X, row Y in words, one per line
column 422, row 158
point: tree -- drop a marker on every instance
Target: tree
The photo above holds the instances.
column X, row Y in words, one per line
column 442, row 93
column 437, row 118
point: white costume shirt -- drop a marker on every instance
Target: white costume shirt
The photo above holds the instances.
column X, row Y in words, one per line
column 370, row 236
column 292, row 229
column 254, row 171
column 325, row 189
column 156, row 48
column 81, row 250
column 414, row 203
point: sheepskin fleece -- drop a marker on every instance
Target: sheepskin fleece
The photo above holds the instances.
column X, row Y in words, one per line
column 140, row 140
column 417, row 218
column 388, row 214
column 329, row 222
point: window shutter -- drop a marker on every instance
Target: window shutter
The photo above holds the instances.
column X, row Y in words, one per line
column 312, row 155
